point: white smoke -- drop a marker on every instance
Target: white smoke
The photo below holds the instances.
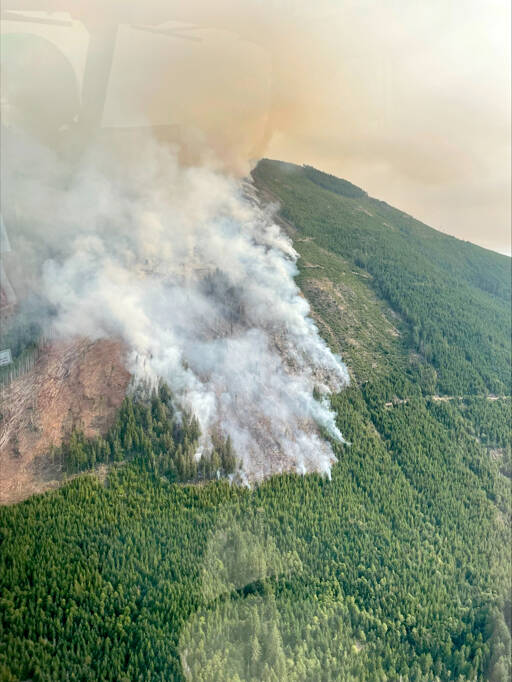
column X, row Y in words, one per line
column 198, row 281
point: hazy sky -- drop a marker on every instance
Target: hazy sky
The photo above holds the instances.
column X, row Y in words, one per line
column 408, row 99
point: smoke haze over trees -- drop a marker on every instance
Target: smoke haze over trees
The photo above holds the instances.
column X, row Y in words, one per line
column 198, row 282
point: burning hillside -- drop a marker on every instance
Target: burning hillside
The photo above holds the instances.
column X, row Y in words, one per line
column 198, row 282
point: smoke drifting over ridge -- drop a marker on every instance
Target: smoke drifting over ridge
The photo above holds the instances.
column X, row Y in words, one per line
column 148, row 234
column 198, row 281
column 221, row 75
column 409, row 100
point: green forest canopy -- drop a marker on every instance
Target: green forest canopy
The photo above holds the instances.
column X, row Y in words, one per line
column 396, row 567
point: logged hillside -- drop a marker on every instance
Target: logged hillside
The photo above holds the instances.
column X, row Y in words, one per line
column 396, row 568
column 78, row 384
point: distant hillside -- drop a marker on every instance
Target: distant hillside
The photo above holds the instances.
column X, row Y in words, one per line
column 453, row 296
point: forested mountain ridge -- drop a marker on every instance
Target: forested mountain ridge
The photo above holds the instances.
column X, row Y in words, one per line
column 397, row 567
column 453, row 295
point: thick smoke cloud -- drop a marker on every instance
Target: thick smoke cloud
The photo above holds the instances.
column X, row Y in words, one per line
column 193, row 275
column 409, row 100
column 146, row 233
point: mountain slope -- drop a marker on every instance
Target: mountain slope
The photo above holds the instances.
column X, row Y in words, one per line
column 453, row 296
column 397, row 567
column 77, row 384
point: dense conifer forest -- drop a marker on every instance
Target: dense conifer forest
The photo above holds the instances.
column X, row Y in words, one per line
column 398, row 567
column 454, row 296
column 149, row 431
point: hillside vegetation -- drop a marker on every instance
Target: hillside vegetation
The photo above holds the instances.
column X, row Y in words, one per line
column 453, row 296
column 396, row 568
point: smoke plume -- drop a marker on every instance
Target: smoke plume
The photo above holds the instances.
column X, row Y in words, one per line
column 195, row 277
column 390, row 94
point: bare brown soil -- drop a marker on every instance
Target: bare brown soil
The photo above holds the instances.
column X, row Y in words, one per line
column 74, row 384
